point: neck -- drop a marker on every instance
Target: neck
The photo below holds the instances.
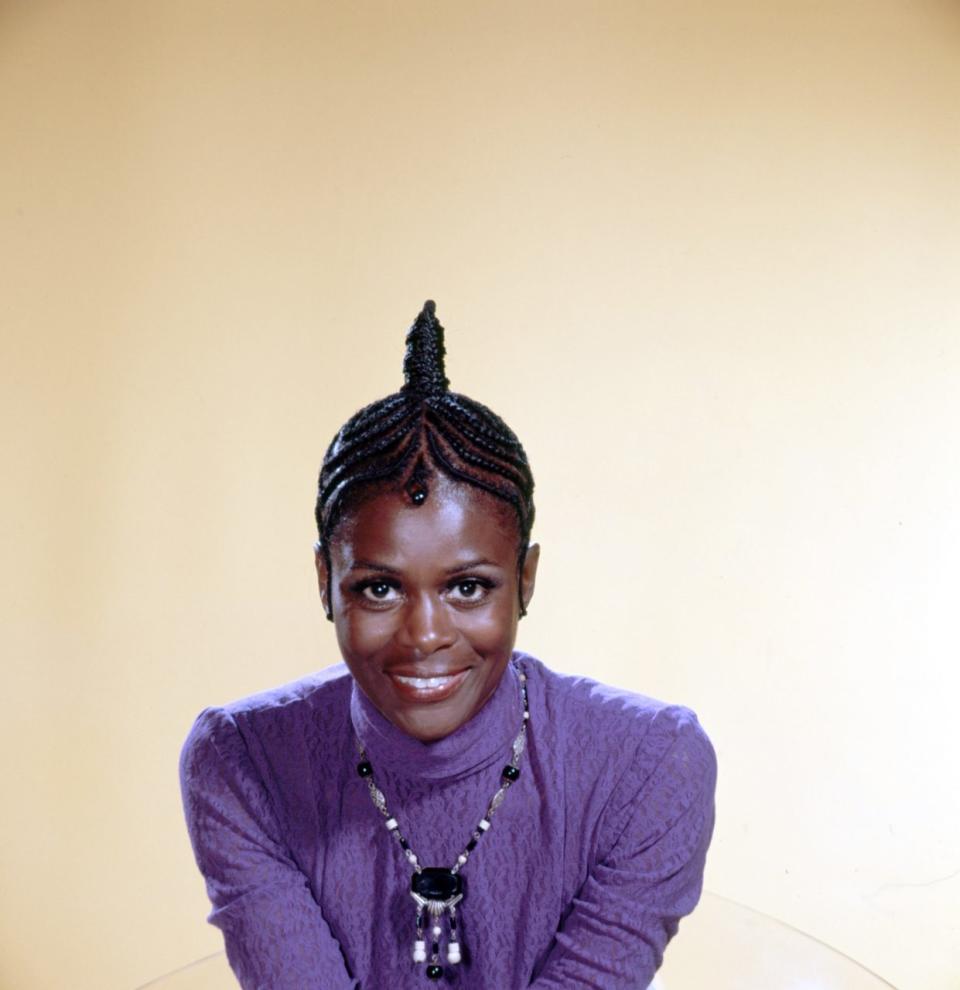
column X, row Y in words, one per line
column 476, row 745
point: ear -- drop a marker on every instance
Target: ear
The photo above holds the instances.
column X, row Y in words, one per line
column 528, row 576
column 323, row 579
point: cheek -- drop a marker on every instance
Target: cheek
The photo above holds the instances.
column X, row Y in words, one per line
column 491, row 631
column 363, row 634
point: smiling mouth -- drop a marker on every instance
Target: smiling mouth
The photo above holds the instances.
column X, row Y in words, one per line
column 425, row 682
column 436, row 688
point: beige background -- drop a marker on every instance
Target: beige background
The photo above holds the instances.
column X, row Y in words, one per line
column 703, row 258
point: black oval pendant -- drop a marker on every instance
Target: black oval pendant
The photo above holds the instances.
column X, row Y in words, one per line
column 436, row 883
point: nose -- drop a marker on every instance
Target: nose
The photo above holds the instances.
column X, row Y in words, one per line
column 427, row 626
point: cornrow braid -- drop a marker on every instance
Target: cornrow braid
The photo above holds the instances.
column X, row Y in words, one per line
column 399, row 440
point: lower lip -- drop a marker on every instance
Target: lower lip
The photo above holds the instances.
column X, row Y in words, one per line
column 410, row 692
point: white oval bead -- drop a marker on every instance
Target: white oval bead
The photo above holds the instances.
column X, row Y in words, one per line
column 437, row 930
column 391, row 823
column 461, row 859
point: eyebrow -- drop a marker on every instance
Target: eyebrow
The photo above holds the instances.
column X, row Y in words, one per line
column 373, row 565
column 470, row 564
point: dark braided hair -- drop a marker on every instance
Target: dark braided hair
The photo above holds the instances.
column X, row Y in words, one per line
column 400, row 441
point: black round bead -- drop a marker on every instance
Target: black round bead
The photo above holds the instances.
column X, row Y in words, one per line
column 434, row 972
column 510, row 772
column 364, row 769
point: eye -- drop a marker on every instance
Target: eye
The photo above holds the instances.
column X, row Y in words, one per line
column 377, row 590
column 470, row 590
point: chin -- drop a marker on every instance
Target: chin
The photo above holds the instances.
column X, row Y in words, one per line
column 428, row 727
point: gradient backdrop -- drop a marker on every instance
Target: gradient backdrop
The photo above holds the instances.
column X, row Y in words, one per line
column 702, row 256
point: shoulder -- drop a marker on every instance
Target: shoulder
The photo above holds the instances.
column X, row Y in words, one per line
column 647, row 739
column 327, row 687
column 585, row 704
column 308, row 704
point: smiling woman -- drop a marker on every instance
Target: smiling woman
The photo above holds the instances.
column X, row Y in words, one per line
column 310, row 806
column 425, row 603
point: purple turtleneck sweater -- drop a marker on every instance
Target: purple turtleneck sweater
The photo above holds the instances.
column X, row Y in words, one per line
column 595, row 854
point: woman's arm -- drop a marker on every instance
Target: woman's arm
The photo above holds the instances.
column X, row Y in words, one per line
column 275, row 934
column 649, row 876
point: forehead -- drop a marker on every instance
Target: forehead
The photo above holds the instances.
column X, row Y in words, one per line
column 456, row 520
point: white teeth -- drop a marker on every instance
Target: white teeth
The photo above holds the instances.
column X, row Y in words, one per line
column 425, row 683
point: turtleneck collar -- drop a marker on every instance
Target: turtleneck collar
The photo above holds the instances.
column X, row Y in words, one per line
column 476, row 745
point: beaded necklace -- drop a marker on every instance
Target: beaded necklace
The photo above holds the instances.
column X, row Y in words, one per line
column 437, row 890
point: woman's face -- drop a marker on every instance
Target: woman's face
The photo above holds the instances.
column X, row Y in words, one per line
column 425, row 602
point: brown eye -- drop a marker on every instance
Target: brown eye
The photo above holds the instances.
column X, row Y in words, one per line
column 377, row 591
column 470, row 590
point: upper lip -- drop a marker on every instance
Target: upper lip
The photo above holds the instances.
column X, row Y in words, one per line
column 420, row 672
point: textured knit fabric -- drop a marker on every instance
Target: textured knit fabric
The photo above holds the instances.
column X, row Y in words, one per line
column 593, row 857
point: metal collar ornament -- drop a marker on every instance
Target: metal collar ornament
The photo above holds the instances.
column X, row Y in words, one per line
column 436, row 890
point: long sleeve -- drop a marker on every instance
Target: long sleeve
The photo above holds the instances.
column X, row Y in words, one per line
column 275, row 934
column 649, row 871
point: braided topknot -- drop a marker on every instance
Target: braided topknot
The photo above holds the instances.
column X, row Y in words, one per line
column 397, row 443
column 423, row 370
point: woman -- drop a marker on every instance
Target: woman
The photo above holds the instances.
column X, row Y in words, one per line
column 441, row 807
